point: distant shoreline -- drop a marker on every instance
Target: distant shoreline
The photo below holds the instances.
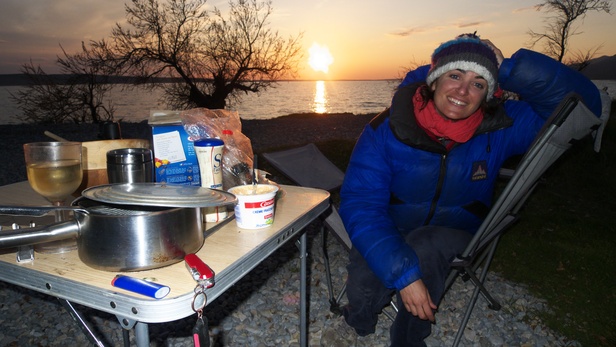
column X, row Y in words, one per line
column 18, row 80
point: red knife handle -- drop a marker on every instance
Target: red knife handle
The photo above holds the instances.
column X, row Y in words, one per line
column 199, row 270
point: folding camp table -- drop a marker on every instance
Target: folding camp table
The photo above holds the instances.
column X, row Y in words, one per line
column 231, row 252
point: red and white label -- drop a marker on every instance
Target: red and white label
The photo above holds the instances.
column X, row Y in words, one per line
column 259, row 204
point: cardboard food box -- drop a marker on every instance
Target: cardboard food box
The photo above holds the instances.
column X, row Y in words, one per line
column 175, row 160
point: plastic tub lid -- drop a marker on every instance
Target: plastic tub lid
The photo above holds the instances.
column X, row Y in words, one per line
column 208, row 142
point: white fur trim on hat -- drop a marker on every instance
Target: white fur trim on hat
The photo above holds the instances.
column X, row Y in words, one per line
column 479, row 69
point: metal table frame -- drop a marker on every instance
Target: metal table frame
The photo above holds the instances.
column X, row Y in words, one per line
column 297, row 208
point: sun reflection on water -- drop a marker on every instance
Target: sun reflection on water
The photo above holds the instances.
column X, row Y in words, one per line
column 320, row 98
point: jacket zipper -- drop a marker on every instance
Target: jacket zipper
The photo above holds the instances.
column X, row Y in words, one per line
column 439, row 187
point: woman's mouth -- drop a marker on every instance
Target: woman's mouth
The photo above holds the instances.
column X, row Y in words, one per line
column 456, row 101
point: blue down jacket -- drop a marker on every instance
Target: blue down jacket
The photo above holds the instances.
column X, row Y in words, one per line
column 398, row 179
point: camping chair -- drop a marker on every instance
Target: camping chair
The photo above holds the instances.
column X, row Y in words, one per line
column 570, row 122
column 308, row 167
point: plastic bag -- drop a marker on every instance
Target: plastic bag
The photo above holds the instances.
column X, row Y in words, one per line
column 201, row 123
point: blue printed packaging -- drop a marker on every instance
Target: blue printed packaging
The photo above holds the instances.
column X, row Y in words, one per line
column 175, row 160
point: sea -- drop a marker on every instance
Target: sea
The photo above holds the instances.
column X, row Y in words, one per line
column 285, row 98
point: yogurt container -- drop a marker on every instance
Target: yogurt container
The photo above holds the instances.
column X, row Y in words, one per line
column 256, row 205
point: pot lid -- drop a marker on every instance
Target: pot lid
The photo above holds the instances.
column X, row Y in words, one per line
column 159, row 194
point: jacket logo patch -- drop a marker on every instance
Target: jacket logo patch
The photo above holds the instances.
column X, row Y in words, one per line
column 480, row 171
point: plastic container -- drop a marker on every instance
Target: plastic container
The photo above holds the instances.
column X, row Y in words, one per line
column 256, row 205
column 210, row 155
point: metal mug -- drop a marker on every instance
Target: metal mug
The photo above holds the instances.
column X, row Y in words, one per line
column 130, row 165
column 110, row 131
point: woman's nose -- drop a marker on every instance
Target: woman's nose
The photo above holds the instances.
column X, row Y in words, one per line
column 463, row 88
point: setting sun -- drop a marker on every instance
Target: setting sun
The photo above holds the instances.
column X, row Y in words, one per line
column 320, row 58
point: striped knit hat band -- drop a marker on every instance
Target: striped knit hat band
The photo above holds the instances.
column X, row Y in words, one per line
column 467, row 53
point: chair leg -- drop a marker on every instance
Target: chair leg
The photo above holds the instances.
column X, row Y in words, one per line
column 467, row 315
column 81, row 322
column 394, row 307
column 326, row 261
column 334, row 302
column 479, row 288
column 389, row 315
column 492, row 303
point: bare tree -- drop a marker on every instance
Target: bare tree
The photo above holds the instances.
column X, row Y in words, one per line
column 44, row 100
column 213, row 57
column 559, row 26
column 78, row 97
column 91, row 75
column 580, row 59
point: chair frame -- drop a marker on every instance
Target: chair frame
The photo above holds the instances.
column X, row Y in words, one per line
column 473, row 264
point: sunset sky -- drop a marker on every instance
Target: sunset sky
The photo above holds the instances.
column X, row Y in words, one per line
column 366, row 39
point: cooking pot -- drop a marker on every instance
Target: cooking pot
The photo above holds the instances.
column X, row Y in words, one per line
column 121, row 237
column 118, row 238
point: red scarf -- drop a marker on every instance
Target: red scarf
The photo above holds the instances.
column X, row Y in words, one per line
column 441, row 127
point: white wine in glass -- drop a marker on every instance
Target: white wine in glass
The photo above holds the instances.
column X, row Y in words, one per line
column 55, row 180
column 55, row 172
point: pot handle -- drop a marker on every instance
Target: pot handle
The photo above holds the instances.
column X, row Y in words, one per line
column 30, row 236
column 36, row 211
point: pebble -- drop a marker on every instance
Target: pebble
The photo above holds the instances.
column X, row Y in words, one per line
column 262, row 310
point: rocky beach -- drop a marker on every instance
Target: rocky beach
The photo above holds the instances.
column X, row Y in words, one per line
column 262, row 308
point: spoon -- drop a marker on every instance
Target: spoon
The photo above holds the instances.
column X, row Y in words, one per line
column 254, row 175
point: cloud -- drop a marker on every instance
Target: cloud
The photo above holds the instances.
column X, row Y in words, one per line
column 471, row 24
column 408, row 32
column 525, row 9
column 427, row 30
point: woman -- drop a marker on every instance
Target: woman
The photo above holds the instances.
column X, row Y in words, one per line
column 422, row 174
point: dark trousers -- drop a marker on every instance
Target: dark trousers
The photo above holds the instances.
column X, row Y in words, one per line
column 435, row 247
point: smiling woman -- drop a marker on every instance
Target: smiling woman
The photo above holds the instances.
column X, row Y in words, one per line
column 320, row 58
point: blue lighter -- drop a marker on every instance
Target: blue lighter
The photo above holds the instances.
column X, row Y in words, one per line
column 143, row 287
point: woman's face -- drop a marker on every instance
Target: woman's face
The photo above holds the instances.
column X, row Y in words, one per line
column 458, row 93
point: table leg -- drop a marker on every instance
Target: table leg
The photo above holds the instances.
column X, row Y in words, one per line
column 303, row 342
column 142, row 335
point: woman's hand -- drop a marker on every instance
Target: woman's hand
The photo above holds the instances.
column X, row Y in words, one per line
column 417, row 300
column 499, row 54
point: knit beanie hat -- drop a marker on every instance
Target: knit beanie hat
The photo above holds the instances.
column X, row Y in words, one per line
column 465, row 52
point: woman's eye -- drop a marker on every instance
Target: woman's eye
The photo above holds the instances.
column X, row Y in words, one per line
column 454, row 76
column 479, row 85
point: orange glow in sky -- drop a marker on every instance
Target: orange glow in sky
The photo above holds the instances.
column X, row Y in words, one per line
column 353, row 39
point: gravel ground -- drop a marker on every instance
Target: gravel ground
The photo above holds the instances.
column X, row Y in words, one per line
column 262, row 308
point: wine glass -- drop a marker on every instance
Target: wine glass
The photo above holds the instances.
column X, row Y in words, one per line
column 54, row 171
